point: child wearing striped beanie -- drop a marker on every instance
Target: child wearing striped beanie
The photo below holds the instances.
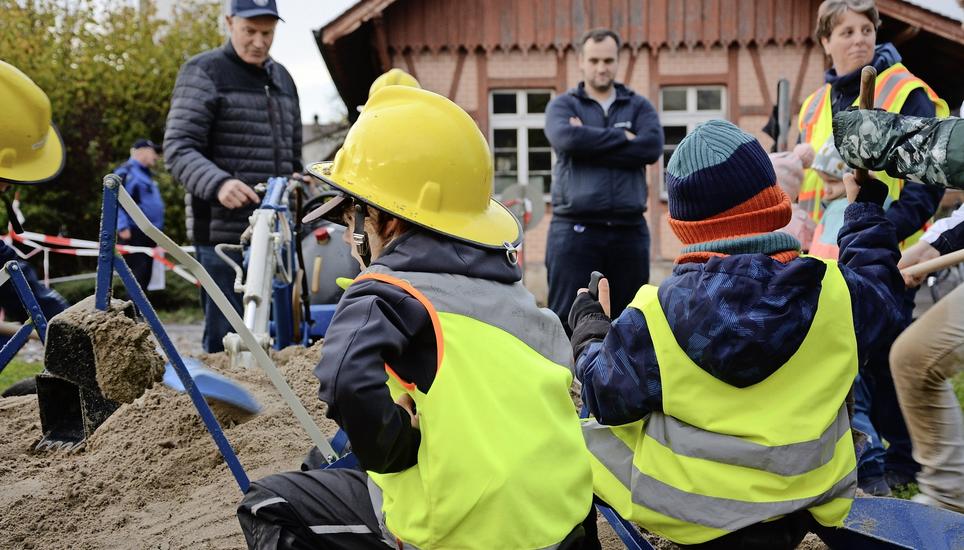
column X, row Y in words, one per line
column 724, row 198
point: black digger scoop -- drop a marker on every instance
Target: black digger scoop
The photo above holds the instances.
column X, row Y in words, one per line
column 95, row 360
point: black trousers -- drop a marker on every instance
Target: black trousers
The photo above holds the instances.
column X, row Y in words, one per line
column 323, row 509
column 334, row 509
column 574, row 251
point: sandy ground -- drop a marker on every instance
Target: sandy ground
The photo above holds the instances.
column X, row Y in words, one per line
column 151, row 476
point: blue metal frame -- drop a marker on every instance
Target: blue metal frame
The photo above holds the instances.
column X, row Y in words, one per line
column 108, row 235
column 30, row 305
column 210, row 422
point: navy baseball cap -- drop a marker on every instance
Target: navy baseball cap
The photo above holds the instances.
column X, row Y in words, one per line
column 143, row 142
column 253, row 8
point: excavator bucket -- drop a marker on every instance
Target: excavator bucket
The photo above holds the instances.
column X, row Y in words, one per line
column 94, row 360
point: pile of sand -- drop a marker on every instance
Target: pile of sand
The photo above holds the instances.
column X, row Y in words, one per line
column 151, row 476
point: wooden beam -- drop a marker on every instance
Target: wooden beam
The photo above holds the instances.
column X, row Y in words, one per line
column 410, row 63
column 919, row 17
column 761, row 78
column 457, row 76
column 351, row 19
column 755, row 110
column 562, row 82
column 700, row 79
column 482, row 77
column 523, row 82
column 733, row 83
column 801, row 74
column 629, row 67
column 380, row 40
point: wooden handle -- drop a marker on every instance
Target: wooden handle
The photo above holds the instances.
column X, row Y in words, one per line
column 9, row 329
column 316, row 275
column 868, row 80
column 935, row 264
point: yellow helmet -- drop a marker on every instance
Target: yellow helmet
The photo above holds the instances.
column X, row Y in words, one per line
column 31, row 150
column 420, row 157
column 393, row 77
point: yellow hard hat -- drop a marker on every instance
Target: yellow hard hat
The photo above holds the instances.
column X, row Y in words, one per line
column 393, row 77
column 420, row 157
column 31, row 150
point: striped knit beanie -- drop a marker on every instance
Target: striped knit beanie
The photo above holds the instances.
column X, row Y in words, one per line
column 722, row 186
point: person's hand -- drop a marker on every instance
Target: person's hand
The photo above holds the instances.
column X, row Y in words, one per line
column 234, row 193
column 918, row 253
column 305, row 178
column 406, row 402
column 806, row 154
column 575, row 121
column 789, row 171
column 124, row 234
column 603, row 297
column 872, row 190
column 629, row 135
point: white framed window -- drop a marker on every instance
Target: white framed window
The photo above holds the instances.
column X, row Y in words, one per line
column 681, row 108
column 522, row 154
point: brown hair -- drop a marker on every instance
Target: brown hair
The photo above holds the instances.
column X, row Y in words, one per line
column 598, row 35
column 829, row 12
column 380, row 221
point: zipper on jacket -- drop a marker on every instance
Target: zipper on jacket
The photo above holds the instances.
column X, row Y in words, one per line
column 274, row 137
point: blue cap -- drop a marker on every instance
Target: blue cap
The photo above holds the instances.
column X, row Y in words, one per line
column 143, row 142
column 254, row 8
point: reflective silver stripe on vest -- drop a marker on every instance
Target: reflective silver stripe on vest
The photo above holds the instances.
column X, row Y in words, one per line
column 714, row 512
column 785, row 460
column 511, row 308
column 813, row 108
column 893, row 81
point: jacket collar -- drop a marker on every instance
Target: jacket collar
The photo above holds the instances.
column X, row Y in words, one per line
column 622, row 92
column 133, row 163
column 885, row 55
column 232, row 54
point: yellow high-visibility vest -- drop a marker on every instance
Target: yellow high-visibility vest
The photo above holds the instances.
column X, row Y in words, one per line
column 816, row 124
column 718, row 458
column 502, row 462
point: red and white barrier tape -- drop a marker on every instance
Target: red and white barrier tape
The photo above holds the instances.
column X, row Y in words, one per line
column 81, row 247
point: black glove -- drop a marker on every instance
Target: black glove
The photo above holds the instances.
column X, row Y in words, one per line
column 588, row 322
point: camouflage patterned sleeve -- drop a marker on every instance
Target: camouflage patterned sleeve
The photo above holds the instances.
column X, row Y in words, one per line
column 924, row 150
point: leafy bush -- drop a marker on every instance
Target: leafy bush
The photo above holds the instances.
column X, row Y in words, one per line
column 108, row 69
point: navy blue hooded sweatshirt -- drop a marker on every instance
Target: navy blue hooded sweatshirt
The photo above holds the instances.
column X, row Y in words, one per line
column 599, row 174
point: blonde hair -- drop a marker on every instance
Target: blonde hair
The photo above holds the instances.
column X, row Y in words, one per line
column 830, row 11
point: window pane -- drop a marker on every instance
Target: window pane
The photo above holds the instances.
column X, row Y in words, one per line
column 540, row 161
column 537, row 101
column 709, row 99
column 674, row 99
column 505, row 138
column 667, row 154
column 673, row 134
column 503, row 103
column 506, row 163
column 537, row 138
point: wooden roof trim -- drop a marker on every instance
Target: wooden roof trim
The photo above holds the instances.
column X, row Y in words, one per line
column 352, row 18
column 916, row 16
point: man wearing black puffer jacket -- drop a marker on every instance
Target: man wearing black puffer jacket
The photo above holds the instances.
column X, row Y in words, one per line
column 234, row 122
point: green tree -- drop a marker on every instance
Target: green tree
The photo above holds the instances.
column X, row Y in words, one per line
column 108, row 69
